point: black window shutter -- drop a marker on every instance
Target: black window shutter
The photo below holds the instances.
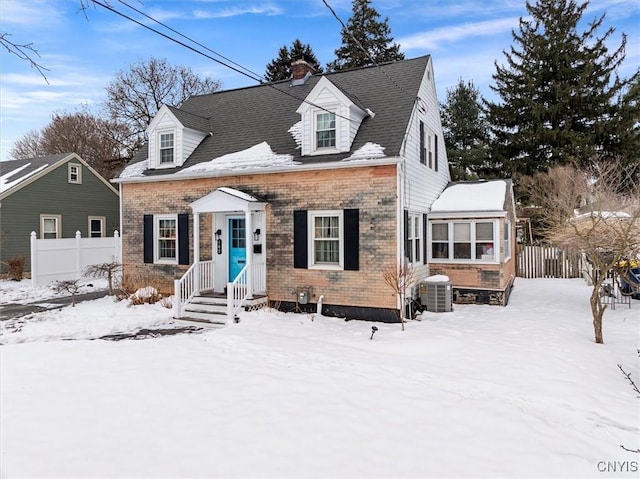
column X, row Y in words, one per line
column 352, row 240
column 147, row 232
column 425, row 247
column 183, row 238
column 407, row 245
column 300, row 239
column 423, row 156
column 436, row 151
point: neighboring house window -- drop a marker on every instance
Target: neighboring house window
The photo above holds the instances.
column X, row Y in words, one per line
column 463, row 240
column 166, row 148
column 326, row 238
column 166, row 239
column 423, row 148
column 325, row 130
column 414, row 251
column 96, row 226
column 75, row 173
column 50, row 226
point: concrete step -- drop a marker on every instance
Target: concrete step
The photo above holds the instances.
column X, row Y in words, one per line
column 206, row 308
column 205, row 316
column 202, row 322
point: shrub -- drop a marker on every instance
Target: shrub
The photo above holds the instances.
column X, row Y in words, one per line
column 16, row 268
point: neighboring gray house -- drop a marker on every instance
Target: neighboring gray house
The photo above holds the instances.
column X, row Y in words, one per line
column 55, row 196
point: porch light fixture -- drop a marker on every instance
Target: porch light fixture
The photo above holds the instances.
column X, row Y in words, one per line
column 256, row 235
column 218, row 234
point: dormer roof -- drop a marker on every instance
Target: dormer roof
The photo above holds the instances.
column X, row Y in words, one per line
column 242, row 118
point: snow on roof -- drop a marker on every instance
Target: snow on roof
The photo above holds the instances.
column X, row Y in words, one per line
column 135, row 169
column 258, row 156
column 238, row 194
column 605, row 215
column 477, row 196
column 6, row 184
column 296, row 133
column 367, row 151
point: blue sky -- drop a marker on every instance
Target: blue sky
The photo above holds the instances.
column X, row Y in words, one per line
column 83, row 53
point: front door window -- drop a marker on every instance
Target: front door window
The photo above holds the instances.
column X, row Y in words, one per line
column 237, row 247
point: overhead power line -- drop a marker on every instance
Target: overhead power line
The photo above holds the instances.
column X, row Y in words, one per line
column 253, row 76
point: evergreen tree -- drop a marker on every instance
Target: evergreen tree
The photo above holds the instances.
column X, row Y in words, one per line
column 280, row 68
column 558, row 90
column 365, row 40
column 466, row 134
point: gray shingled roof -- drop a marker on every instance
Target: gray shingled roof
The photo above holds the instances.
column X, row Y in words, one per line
column 30, row 164
column 245, row 117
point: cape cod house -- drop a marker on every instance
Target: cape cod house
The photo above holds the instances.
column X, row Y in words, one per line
column 54, row 196
column 299, row 192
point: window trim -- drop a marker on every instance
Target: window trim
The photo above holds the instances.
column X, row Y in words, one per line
column 70, row 167
column 506, row 241
column 414, row 238
column 159, row 135
column 156, row 239
column 311, row 215
column 314, row 133
column 58, row 222
column 102, row 220
column 450, row 242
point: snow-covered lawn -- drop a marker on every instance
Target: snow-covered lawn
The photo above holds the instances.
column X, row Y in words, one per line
column 484, row 391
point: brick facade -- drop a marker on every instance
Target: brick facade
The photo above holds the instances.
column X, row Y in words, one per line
column 370, row 189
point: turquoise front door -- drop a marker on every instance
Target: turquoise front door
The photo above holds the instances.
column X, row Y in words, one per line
column 237, row 247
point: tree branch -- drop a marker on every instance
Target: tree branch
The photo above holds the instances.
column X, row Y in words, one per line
column 25, row 52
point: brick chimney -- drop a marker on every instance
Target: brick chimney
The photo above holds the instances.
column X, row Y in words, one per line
column 301, row 66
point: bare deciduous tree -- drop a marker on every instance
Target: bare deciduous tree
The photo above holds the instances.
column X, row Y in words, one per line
column 24, row 51
column 70, row 286
column 109, row 270
column 401, row 279
column 594, row 211
column 104, row 144
column 135, row 95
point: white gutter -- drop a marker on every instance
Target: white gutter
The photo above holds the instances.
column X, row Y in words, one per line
column 333, row 165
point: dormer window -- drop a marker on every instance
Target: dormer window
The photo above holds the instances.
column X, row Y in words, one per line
column 325, row 130
column 166, row 148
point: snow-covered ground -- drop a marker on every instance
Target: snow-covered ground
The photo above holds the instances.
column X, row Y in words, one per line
column 484, row 391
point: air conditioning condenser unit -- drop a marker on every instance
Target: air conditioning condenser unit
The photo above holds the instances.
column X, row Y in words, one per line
column 436, row 296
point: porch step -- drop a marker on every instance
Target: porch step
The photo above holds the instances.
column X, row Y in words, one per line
column 202, row 322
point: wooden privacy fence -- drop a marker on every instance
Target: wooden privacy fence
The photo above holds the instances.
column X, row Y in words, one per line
column 547, row 261
column 66, row 258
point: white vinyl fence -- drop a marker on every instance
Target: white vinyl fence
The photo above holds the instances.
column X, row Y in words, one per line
column 66, row 258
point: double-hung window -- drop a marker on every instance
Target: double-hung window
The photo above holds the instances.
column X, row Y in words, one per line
column 326, row 239
column 166, row 148
column 463, row 240
column 50, row 226
column 507, row 241
column 166, row 228
column 96, row 226
column 413, row 240
column 325, row 130
column 74, row 173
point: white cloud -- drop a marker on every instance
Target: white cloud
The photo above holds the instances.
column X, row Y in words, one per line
column 434, row 39
column 25, row 13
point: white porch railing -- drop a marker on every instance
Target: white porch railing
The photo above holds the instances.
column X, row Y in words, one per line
column 197, row 278
column 243, row 287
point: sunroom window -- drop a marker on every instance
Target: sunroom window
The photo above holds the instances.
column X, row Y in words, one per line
column 463, row 241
